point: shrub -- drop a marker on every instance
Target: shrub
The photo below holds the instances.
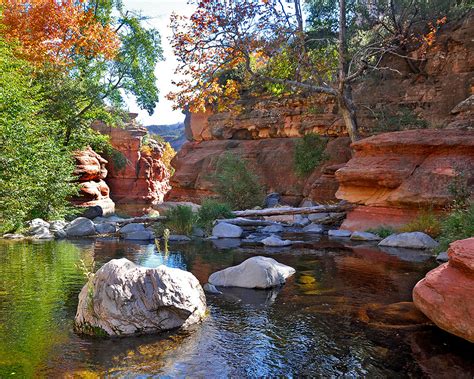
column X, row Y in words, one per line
column 180, row 219
column 236, row 184
column 168, row 155
column 382, row 231
column 35, row 168
column 211, row 210
column 427, row 222
column 309, row 153
column 459, row 224
column 402, row 119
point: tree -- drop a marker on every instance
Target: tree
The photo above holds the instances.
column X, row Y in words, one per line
column 35, row 171
column 228, row 46
column 87, row 54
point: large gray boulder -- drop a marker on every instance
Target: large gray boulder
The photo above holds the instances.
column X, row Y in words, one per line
column 411, row 240
column 132, row 227
column 39, row 232
column 225, row 230
column 80, row 227
column 125, row 299
column 105, row 228
column 255, row 272
column 140, row 235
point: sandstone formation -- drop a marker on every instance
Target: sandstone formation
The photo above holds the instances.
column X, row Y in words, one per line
column 255, row 272
column 124, row 299
column 141, row 177
column 94, row 191
column 412, row 169
column 446, row 294
column 271, row 159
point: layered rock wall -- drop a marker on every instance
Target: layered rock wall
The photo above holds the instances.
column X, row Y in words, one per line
column 139, row 176
column 94, row 191
column 409, row 170
column 271, row 159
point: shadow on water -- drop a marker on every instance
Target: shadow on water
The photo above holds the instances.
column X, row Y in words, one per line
column 346, row 312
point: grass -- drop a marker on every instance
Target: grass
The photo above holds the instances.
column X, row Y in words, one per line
column 210, row 211
column 180, row 219
column 382, row 231
column 458, row 225
column 427, row 222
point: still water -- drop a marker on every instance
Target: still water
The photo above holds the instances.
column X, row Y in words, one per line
column 339, row 315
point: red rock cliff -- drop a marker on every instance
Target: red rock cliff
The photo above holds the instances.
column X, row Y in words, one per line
column 94, row 191
column 143, row 178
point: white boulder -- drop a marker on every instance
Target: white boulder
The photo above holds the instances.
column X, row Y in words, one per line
column 275, row 241
column 255, row 272
column 411, row 240
column 313, row 228
column 125, row 299
column 225, row 230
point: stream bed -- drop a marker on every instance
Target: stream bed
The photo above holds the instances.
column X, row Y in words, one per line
column 343, row 313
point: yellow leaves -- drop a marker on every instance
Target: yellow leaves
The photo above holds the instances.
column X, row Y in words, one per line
column 52, row 31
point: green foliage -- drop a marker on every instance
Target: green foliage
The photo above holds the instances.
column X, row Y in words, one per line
column 35, row 168
column 210, row 211
column 382, row 231
column 236, row 184
column 459, row 190
column 427, row 222
column 402, row 119
column 309, row 153
column 459, row 224
column 180, row 219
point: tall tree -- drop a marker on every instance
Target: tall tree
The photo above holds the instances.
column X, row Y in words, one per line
column 226, row 46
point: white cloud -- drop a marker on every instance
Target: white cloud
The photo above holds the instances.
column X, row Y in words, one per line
column 159, row 12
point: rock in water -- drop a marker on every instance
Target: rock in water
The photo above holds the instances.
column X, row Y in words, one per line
column 255, row 272
column 79, row 227
column 412, row 240
column 446, row 294
column 364, row 236
column 275, row 241
column 225, row 230
column 124, row 299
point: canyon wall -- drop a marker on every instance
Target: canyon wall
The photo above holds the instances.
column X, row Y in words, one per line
column 137, row 174
column 264, row 130
column 93, row 190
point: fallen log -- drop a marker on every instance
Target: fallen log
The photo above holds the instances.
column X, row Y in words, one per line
column 293, row 210
column 142, row 220
column 239, row 221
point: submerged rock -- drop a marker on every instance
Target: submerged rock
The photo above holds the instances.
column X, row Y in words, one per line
column 276, row 228
column 178, row 238
column 225, row 230
column 80, row 227
column 364, row 236
column 313, row 228
column 446, row 293
column 412, row 240
column 255, row 272
column 125, row 299
column 339, row 233
column 105, row 228
column 275, row 241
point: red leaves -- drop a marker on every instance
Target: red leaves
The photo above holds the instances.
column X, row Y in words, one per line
column 54, row 32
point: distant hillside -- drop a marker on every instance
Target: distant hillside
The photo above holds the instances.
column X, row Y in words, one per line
column 174, row 134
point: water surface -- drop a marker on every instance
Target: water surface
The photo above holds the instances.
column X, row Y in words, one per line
column 335, row 317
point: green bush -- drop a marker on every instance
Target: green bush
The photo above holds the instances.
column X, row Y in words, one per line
column 402, row 119
column 459, row 224
column 382, row 231
column 35, row 168
column 180, row 219
column 427, row 222
column 210, row 211
column 236, row 184
column 309, row 153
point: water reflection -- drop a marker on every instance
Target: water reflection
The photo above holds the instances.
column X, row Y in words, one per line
column 346, row 312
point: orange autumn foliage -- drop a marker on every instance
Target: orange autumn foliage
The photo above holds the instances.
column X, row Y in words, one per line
column 53, row 31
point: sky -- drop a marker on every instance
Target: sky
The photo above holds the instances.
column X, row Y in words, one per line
column 159, row 12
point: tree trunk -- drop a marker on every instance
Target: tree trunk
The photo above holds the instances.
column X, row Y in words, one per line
column 348, row 111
